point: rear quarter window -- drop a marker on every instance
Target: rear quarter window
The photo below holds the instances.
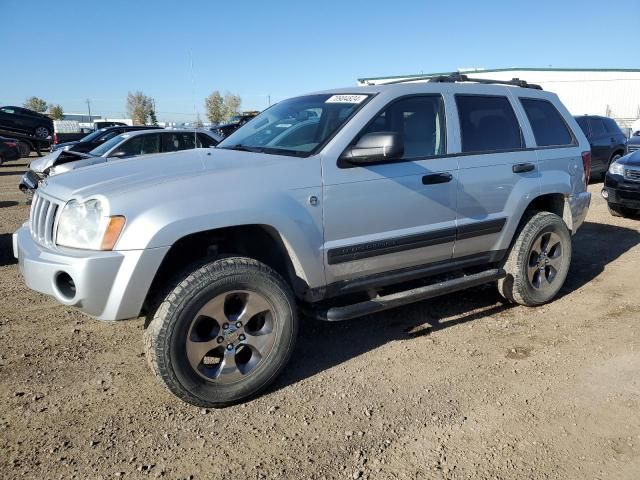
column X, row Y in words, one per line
column 549, row 128
column 488, row 124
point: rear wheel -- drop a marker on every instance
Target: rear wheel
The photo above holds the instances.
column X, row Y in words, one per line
column 42, row 132
column 538, row 261
column 618, row 211
column 224, row 333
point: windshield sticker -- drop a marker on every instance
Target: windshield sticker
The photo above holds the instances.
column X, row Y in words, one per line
column 346, row 99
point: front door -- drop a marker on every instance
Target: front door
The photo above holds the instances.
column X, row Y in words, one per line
column 401, row 215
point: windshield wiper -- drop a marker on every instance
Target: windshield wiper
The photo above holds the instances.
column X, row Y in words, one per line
column 244, row 148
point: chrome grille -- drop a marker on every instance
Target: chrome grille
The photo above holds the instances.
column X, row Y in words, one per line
column 632, row 148
column 633, row 175
column 42, row 219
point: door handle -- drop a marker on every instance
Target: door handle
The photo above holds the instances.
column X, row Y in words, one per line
column 523, row 167
column 437, row 178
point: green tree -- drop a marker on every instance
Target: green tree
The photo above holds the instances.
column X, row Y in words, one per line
column 139, row 107
column 231, row 105
column 153, row 120
column 36, row 104
column 214, row 107
column 56, row 112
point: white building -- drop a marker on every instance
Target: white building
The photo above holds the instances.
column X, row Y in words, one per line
column 599, row 91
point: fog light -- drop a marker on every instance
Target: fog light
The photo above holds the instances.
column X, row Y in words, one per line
column 604, row 193
column 65, row 285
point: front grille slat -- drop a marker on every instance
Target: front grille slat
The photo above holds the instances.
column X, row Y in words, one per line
column 633, row 148
column 42, row 219
column 633, row 175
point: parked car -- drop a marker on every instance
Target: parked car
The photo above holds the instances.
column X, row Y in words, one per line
column 622, row 186
column 129, row 144
column 26, row 121
column 606, row 139
column 67, row 131
column 94, row 139
column 226, row 129
column 9, row 149
column 394, row 194
column 633, row 144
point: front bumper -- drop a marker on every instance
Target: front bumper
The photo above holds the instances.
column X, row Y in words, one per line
column 106, row 285
column 579, row 204
column 622, row 192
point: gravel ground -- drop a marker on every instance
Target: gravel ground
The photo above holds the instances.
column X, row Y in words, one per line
column 458, row 387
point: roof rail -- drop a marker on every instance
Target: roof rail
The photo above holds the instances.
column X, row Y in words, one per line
column 459, row 77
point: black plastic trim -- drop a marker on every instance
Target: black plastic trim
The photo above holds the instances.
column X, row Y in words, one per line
column 391, row 245
column 398, row 244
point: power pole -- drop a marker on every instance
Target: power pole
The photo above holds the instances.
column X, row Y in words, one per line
column 88, row 102
column 269, row 98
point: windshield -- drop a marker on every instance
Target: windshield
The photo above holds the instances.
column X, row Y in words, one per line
column 297, row 126
column 93, row 135
column 100, row 150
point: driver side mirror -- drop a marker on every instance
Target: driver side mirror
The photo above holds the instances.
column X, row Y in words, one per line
column 375, row 147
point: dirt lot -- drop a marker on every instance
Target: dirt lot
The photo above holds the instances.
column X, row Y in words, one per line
column 459, row 387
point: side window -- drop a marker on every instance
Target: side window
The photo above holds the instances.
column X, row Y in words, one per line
column 170, row 142
column 612, row 126
column 419, row 120
column 9, row 110
column 108, row 135
column 597, row 127
column 549, row 128
column 584, row 125
column 150, row 144
column 488, row 124
column 129, row 148
column 205, row 141
column 187, row 141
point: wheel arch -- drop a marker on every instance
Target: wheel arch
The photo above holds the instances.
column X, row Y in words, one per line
column 557, row 203
column 260, row 242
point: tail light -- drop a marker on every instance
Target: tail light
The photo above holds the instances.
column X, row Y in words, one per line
column 10, row 144
column 55, row 138
column 586, row 164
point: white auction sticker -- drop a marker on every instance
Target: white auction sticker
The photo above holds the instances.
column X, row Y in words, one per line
column 346, row 99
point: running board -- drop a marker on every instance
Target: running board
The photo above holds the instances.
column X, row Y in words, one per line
column 379, row 304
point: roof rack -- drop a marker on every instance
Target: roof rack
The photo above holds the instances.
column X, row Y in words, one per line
column 459, row 77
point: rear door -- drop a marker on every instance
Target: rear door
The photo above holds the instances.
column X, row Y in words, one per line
column 497, row 171
column 401, row 215
column 9, row 119
column 601, row 145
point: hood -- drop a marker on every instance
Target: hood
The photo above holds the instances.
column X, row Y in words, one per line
column 150, row 171
column 632, row 159
column 55, row 158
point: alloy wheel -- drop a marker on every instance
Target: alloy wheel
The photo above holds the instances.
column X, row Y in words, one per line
column 231, row 335
column 545, row 260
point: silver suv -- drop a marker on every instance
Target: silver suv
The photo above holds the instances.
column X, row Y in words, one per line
column 344, row 202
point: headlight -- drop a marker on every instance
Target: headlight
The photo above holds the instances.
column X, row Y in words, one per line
column 84, row 225
column 616, row 169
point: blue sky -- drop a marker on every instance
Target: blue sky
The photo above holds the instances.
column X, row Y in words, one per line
column 66, row 51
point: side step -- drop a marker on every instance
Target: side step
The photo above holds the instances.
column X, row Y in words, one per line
column 379, row 304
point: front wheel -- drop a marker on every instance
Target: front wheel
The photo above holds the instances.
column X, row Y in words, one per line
column 538, row 261
column 224, row 333
column 25, row 149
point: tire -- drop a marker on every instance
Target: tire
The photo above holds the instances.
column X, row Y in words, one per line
column 619, row 211
column 1, row 159
column 185, row 327
column 538, row 261
column 25, row 149
column 42, row 132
